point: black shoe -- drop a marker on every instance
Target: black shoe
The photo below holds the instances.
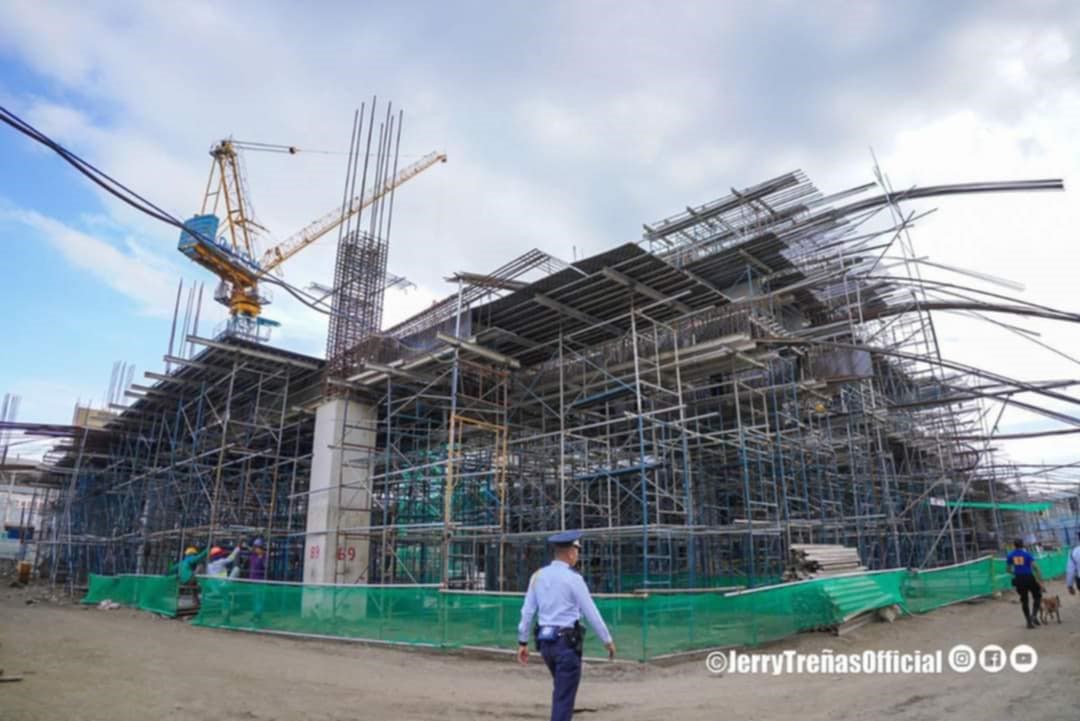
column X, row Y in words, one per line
column 1036, row 622
column 1030, row 624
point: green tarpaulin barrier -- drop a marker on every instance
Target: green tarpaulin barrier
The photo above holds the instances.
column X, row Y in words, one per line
column 149, row 593
column 644, row 626
column 926, row 590
column 1052, row 565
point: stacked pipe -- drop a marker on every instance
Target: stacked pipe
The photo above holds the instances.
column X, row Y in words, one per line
column 810, row 560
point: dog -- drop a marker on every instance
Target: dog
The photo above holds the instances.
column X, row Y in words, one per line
column 1051, row 606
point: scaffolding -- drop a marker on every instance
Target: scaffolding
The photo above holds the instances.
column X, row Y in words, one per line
column 746, row 377
column 216, row 451
column 757, row 371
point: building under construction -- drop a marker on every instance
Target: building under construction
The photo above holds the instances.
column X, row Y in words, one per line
column 755, row 372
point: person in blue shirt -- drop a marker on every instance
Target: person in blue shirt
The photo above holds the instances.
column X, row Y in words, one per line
column 1026, row 579
column 558, row 594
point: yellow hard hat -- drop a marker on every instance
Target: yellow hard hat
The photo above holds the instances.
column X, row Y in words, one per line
column 190, row 551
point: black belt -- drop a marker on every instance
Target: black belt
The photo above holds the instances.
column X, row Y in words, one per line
column 563, row 631
column 574, row 635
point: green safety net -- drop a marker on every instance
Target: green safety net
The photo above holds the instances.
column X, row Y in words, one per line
column 1026, row 507
column 926, row 590
column 645, row 626
column 1052, row 565
column 149, row 593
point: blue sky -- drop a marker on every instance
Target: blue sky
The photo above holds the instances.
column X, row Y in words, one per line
column 568, row 125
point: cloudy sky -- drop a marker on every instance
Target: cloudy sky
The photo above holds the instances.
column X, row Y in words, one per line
column 567, row 126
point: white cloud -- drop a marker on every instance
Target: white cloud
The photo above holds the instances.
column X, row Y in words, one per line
column 1028, row 59
column 158, row 115
column 134, row 272
column 46, row 400
column 632, row 126
column 569, row 126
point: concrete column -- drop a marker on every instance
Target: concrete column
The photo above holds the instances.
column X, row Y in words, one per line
column 339, row 492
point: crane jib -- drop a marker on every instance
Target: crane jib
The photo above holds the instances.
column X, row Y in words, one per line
column 224, row 245
column 294, row 244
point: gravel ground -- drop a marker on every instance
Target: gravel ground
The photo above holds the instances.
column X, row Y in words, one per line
column 86, row 664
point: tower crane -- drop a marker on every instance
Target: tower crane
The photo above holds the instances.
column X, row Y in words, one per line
column 232, row 254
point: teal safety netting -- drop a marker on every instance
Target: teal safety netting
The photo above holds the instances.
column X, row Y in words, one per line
column 645, row 626
column 149, row 593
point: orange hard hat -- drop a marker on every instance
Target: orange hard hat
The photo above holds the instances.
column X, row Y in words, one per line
column 217, row 551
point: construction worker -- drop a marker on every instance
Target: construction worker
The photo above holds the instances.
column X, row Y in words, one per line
column 221, row 562
column 185, row 568
column 559, row 594
column 1072, row 569
column 256, row 571
column 1026, row 579
column 257, row 562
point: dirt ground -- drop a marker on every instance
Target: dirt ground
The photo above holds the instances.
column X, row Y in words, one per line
column 86, row 664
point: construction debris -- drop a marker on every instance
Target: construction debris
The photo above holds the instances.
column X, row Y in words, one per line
column 9, row 679
column 809, row 560
column 853, row 624
column 889, row 613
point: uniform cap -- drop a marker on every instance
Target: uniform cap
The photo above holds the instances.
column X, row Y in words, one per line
column 190, row 551
column 566, row 538
column 257, row 543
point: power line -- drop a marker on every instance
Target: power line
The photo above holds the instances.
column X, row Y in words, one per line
column 133, row 199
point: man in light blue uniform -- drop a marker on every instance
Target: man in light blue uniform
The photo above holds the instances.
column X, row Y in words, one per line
column 1072, row 569
column 559, row 594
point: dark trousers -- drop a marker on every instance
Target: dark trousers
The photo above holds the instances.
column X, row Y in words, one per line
column 565, row 667
column 1026, row 584
column 193, row 585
